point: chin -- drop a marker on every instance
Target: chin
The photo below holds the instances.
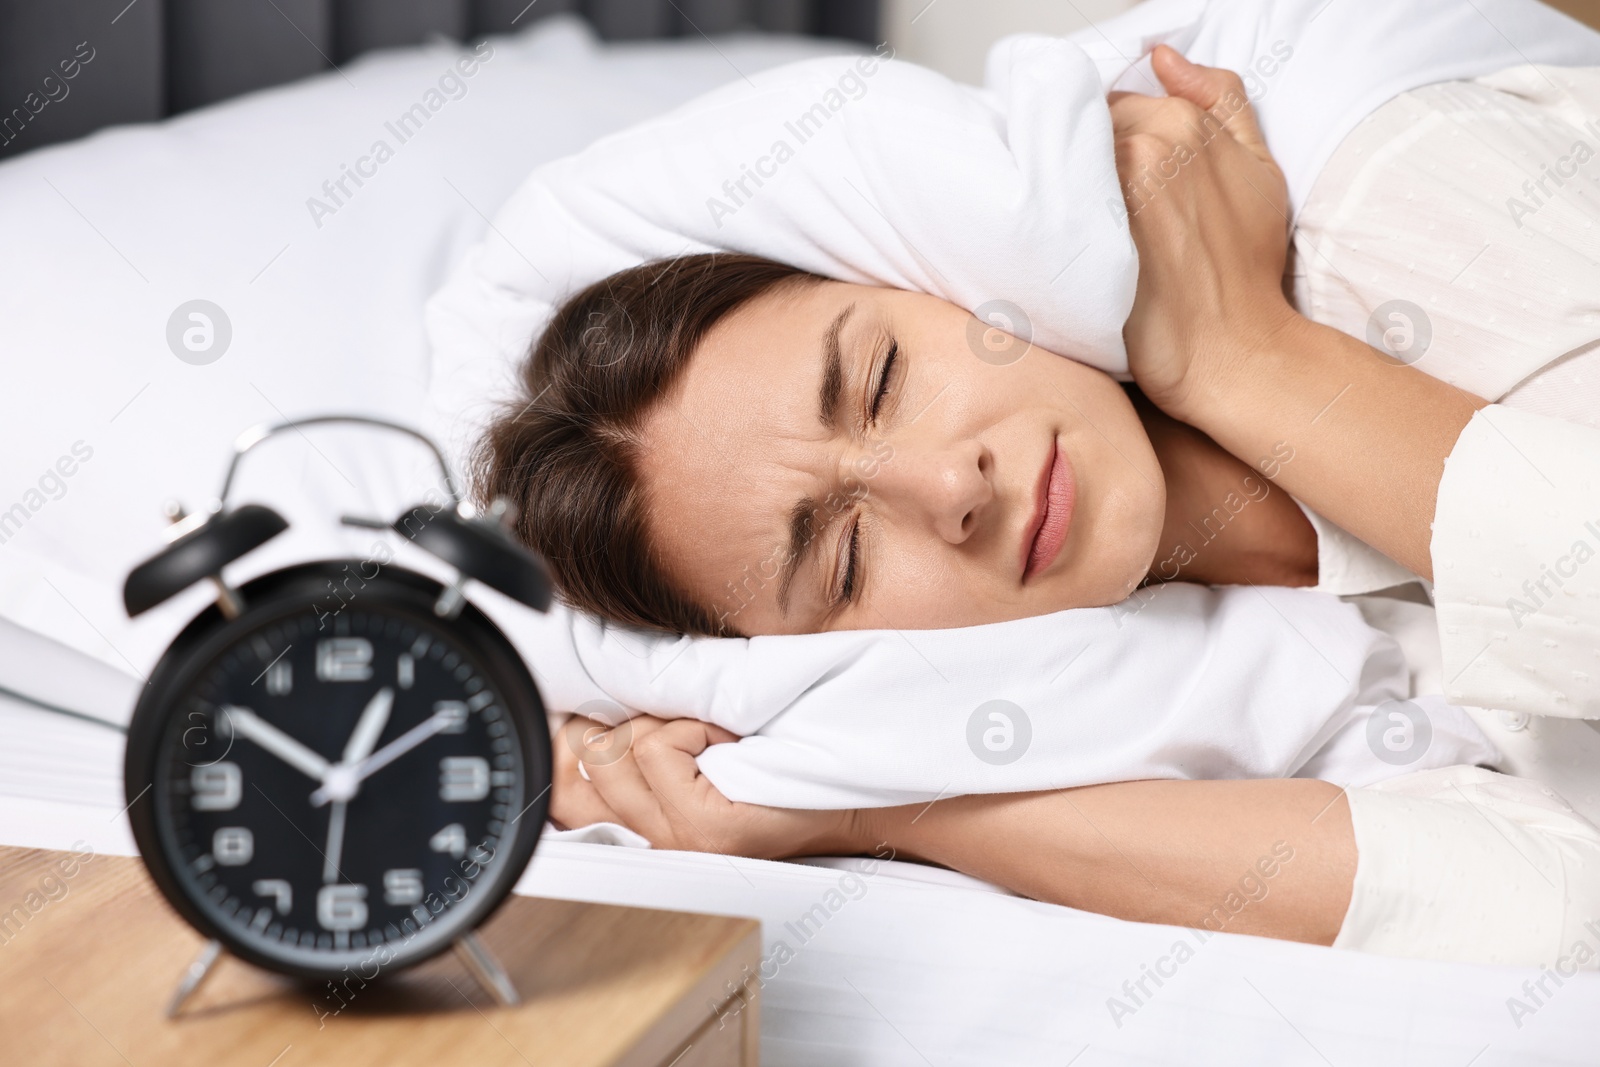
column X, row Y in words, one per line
column 1130, row 553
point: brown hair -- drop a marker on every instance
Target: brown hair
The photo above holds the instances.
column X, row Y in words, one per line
column 565, row 452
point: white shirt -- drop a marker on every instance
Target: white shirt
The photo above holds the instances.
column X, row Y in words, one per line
column 1511, row 295
column 1510, row 310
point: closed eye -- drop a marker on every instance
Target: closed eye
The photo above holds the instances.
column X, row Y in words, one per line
column 850, row 563
column 884, row 378
column 847, row 584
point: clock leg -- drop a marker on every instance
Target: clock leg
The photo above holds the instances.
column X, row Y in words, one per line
column 480, row 962
column 193, row 975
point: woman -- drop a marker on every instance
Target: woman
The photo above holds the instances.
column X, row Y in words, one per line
column 903, row 483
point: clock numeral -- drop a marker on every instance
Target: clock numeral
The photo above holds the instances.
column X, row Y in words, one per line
column 463, row 778
column 233, row 846
column 452, row 839
column 280, row 678
column 342, row 907
column 454, row 712
column 344, row 659
column 402, row 886
column 405, row 671
column 217, row 786
column 281, row 891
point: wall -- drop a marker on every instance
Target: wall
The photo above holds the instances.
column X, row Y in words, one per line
column 953, row 36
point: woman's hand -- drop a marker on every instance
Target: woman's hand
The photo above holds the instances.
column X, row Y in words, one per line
column 1208, row 208
column 1215, row 344
column 642, row 774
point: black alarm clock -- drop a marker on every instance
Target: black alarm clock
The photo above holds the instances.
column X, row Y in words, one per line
column 342, row 767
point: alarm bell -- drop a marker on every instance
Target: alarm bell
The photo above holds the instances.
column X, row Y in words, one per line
column 478, row 548
column 200, row 553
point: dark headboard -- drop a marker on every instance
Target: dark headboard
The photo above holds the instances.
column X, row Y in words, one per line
column 69, row 67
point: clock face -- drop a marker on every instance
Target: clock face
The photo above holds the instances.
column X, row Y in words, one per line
column 334, row 788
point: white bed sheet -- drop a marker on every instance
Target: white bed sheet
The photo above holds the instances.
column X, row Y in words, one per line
column 924, row 967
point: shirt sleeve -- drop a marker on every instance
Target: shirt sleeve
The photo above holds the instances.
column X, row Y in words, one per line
column 1516, row 535
column 1347, row 565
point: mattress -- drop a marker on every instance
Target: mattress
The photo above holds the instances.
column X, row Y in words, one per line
column 107, row 237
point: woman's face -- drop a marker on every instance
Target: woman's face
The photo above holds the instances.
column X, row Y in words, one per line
column 839, row 457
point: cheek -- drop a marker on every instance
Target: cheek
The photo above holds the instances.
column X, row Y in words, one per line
column 1122, row 493
column 1103, row 418
column 917, row 587
column 922, row 585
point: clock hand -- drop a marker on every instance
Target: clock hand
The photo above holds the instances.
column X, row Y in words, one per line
column 342, row 781
column 374, row 717
column 330, row 858
column 275, row 741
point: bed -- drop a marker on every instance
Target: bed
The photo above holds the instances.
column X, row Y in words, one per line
column 106, row 236
column 922, row 966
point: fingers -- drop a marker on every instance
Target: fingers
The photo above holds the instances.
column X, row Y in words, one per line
column 642, row 774
column 574, row 801
column 661, row 786
column 609, row 756
column 716, row 735
column 1212, row 89
column 1131, row 111
column 668, row 759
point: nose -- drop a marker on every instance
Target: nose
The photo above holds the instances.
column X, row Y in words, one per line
column 947, row 486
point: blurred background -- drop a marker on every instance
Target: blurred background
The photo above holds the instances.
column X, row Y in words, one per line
column 153, row 58
column 953, row 36
column 145, row 59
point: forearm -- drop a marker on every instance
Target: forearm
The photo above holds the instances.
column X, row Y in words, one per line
column 1370, row 436
column 1275, row 858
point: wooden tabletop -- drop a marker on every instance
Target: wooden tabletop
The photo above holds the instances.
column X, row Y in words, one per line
column 89, row 959
column 1583, row 10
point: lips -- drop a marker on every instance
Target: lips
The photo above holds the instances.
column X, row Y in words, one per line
column 1054, row 496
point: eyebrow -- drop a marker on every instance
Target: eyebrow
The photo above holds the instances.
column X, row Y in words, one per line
column 831, row 391
column 830, row 396
column 802, row 538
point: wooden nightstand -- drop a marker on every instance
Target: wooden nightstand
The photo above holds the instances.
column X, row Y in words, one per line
column 89, row 960
column 1582, row 10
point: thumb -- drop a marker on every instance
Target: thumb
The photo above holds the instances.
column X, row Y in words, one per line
column 1218, row 91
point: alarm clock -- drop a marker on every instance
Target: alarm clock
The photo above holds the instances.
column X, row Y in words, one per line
column 341, row 767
